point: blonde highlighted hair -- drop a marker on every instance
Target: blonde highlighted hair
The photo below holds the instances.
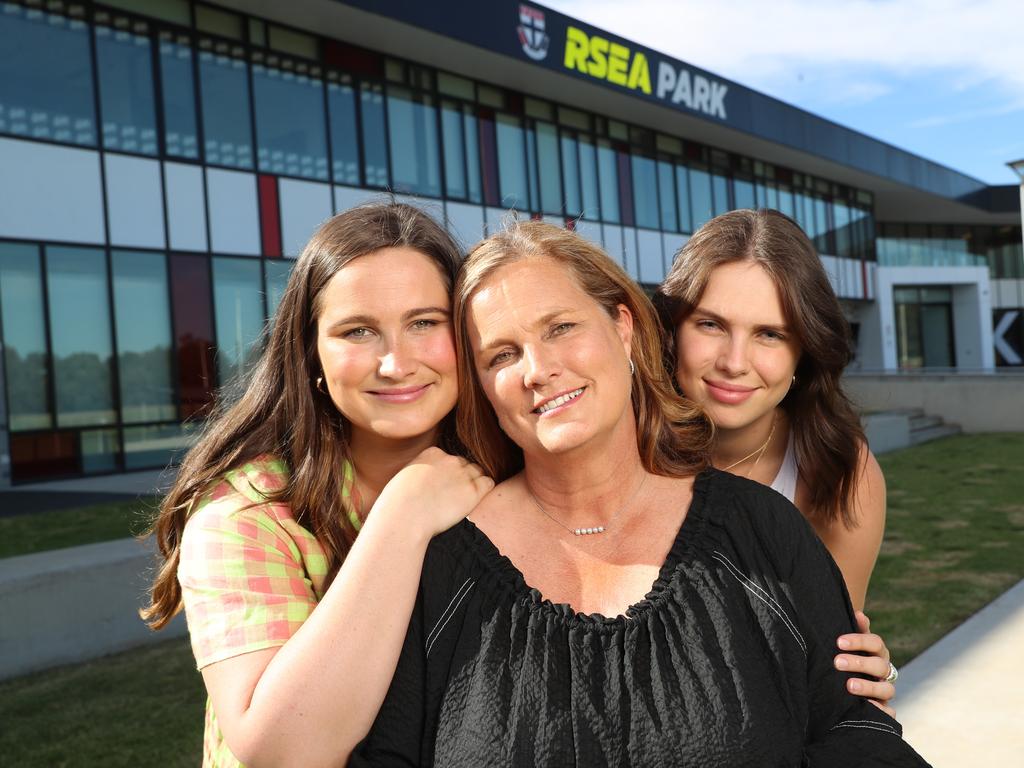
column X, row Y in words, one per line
column 673, row 435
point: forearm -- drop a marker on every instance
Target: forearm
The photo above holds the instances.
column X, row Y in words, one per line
column 320, row 693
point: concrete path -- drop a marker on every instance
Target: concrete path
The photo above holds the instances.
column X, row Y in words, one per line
column 961, row 702
column 82, row 491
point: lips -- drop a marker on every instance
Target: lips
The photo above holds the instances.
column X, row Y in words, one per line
column 558, row 401
column 400, row 395
column 730, row 394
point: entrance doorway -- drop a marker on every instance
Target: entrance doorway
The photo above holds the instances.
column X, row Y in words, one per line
column 924, row 326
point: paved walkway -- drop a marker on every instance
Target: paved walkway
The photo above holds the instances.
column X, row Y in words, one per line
column 961, row 702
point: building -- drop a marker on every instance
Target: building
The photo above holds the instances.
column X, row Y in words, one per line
column 162, row 161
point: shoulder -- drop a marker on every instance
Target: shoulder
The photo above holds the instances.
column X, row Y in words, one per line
column 753, row 517
column 237, row 508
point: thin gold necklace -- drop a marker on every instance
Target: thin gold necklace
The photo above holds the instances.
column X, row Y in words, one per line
column 759, row 452
column 590, row 531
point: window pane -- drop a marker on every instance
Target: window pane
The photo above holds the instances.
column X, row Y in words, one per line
column 720, row 184
column 142, row 317
column 80, row 331
column 452, row 130
column 45, row 76
column 193, row 331
column 225, row 94
column 667, row 196
column 512, row 163
column 645, row 191
column 531, row 169
column 786, row 201
column 470, row 132
column 549, row 167
column 277, row 272
column 341, row 104
column 412, row 129
column 843, row 234
column 179, row 100
column 683, row 193
column 588, row 180
column 571, row 173
column 153, row 446
column 98, row 449
column 822, row 241
column 24, row 342
column 607, row 164
column 238, row 312
column 290, row 124
column 700, row 197
column 375, row 156
column 126, row 91
column 743, row 191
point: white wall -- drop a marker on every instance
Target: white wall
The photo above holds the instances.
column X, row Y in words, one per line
column 50, row 193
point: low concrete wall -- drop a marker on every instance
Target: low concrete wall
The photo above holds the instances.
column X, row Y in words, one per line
column 886, row 431
column 71, row 605
column 977, row 402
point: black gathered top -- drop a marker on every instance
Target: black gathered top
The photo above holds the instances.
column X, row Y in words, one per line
column 726, row 662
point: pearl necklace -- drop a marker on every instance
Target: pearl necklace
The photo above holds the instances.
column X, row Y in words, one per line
column 759, row 452
column 590, row 531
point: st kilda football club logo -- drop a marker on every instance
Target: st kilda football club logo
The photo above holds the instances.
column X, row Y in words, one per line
column 532, row 36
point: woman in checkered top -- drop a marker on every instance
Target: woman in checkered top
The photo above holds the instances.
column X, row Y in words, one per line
column 347, row 412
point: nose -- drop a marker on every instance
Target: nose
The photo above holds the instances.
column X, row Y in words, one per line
column 538, row 366
column 732, row 358
column 395, row 361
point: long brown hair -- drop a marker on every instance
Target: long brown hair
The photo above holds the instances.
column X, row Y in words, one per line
column 673, row 435
column 827, row 433
column 281, row 411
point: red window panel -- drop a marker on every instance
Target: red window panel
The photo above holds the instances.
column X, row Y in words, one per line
column 270, row 216
column 193, row 332
column 44, row 455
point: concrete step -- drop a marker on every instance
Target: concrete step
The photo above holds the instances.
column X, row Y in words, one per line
column 924, row 421
column 918, row 436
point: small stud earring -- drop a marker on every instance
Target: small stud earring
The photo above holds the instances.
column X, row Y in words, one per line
column 319, row 384
column 632, row 368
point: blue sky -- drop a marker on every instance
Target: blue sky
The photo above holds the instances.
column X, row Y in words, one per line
column 941, row 78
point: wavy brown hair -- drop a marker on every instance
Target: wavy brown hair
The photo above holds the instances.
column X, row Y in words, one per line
column 827, row 433
column 280, row 410
column 673, row 435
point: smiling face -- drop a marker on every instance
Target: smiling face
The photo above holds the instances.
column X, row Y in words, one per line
column 736, row 356
column 552, row 362
column 384, row 338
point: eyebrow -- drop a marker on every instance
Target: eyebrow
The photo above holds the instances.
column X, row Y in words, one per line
column 721, row 320
column 408, row 315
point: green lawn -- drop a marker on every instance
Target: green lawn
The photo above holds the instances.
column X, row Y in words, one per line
column 955, row 541
column 25, row 534
column 954, row 537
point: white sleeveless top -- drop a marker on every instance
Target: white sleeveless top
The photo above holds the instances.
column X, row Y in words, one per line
column 785, row 480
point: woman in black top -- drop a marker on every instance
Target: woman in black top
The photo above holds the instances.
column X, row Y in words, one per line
column 613, row 601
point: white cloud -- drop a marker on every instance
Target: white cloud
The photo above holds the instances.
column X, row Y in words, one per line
column 763, row 45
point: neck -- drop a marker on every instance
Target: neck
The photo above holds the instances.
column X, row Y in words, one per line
column 735, row 445
column 377, row 459
column 587, row 486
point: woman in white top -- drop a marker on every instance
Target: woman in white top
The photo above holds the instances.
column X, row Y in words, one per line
column 761, row 342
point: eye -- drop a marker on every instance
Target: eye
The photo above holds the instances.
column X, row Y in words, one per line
column 424, row 323
column 502, row 357
column 773, row 335
column 357, row 334
column 705, row 324
column 560, row 328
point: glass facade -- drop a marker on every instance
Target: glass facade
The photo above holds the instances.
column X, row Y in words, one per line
column 107, row 350
column 942, row 245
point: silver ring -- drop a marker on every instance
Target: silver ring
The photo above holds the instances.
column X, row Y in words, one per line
column 893, row 674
